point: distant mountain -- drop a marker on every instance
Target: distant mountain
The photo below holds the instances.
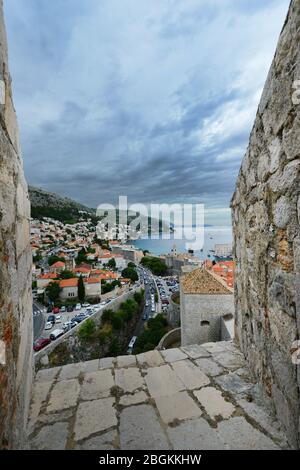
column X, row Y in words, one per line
column 46, row 204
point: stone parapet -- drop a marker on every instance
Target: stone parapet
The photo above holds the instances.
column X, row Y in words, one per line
column 266, row 216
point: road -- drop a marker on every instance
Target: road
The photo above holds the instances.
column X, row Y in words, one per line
column 38, row 319
column 149, row 288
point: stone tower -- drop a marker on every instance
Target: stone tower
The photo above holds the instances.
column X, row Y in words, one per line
column 266, row 213
column 15, row 270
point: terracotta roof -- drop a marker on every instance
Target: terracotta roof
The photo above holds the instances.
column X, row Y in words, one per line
column 47, row 276
column 84, row 265
column 73, row 282
column 108, row 275
column 201, row 281
column 82, row 270
column 93, row 280
column 58, row 264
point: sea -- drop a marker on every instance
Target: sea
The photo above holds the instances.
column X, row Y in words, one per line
column 213, row 235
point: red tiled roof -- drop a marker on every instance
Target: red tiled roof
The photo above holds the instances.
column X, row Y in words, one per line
column 47, row 276
column 58, row 264
column 93, row 280
column 81, row 269
column 73, row 282
column 97, row 271
column 109, row 275
column 201, row 281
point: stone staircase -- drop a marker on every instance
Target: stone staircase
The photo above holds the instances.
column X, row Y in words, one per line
column 193, row 398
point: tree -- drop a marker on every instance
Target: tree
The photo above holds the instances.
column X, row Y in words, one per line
column 107, row 315
column 87, row 329
column 149, row 339
column 53, row 290
column 117, row 320
column 53, row 259
column 81, row 290
column 156, row 265
column 112, row 264
column 114, row 349
column 138, row 297
column 66, row 274
column 130, row 273
column 81, row 257
column 131, row 265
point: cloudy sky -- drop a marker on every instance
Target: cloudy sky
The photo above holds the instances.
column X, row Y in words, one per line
column 153, row 99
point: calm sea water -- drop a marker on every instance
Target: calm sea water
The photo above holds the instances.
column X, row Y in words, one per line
column 212, row 235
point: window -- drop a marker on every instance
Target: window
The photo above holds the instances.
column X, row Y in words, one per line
column 205, row 323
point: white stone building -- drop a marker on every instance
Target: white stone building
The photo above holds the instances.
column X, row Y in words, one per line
column 205, row 305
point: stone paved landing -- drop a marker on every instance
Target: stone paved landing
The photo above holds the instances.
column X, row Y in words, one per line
column 197, row 397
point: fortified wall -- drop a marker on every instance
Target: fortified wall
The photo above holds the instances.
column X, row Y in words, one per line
column 15, row 270
column 266, row 213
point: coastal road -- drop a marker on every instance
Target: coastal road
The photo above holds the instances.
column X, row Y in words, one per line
column 38, row 320
column 147, row 308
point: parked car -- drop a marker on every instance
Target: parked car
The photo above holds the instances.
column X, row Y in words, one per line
column 55, row 310
column 70, row 308
column 49, row 309
column 68, row 325
column 48, row 325
column 41, row 343
column 56, row 334
column 51, row 318
column 58, row 319
column 85, row 305
column 63, row 309
column 78, row 307
column 79, row 318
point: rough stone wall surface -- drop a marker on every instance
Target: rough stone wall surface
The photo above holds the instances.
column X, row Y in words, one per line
column 173, row 313
column 196, row 308
column 15, row 271
column 266, row 213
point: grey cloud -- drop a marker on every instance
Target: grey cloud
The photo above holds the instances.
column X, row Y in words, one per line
column 118, row 96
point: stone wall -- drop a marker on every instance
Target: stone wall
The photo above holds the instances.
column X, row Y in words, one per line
column 173, row 314
column 198, row 308
column 169, row 339
column 15, row 270
column 266, row 212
